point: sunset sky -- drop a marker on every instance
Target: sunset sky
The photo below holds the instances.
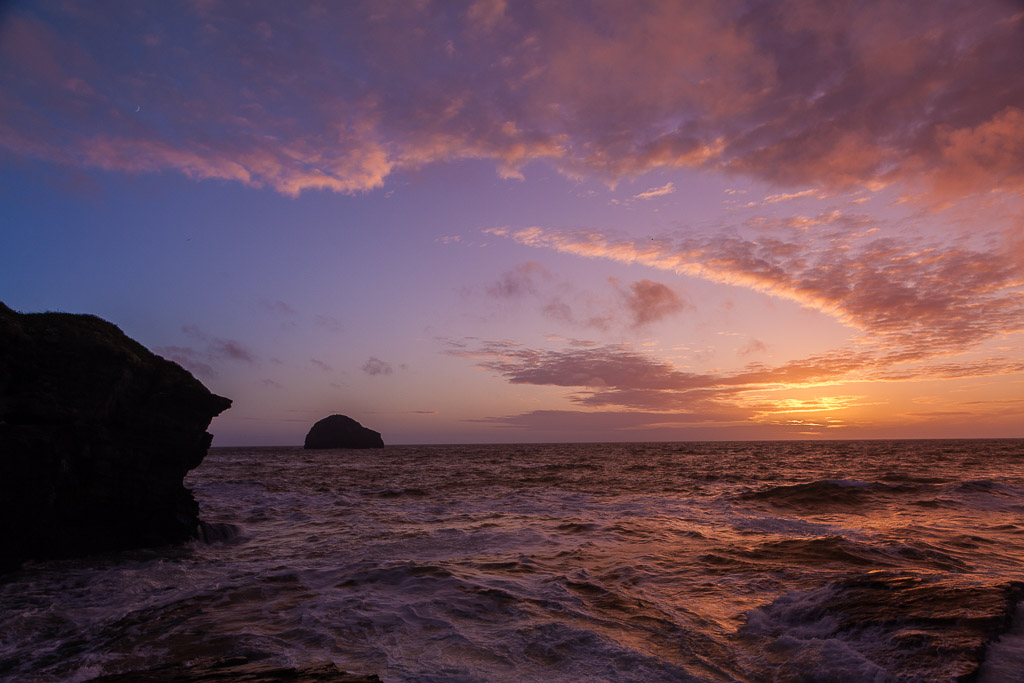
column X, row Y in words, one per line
column 514, row 221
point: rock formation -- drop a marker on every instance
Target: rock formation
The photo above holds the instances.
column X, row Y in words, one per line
column 339, row 431
column 96, row 435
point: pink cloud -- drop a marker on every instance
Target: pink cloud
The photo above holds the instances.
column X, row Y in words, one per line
column 340, row 98
column 920, row 299
column 985, row 158
column 651, row 193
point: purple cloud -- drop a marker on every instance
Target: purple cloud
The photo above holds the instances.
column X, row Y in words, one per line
column 375, row 366
column 213, row 352
column 616, row 377
column 277, row 306
column 218, row 348
column 519, row 282
column 792, row 93
column 649, row 302
column 320, row 365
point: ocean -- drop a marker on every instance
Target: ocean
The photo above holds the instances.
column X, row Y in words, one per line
column 747, row 561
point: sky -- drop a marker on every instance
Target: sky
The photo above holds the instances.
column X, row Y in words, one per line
column 534, row 221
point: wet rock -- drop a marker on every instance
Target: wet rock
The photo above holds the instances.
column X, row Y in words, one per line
column 238, row 669
column 339, row 431
column 96, row 436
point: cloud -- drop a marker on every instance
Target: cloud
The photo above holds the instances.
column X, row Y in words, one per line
column 277, row 306
column 598, row 423
column 189, row 358
column 218, row 348
column 320, row 365
column 649, row 302
column 645, row 302
column 213, row 352
column 519, row 282
column 484, row 15
column 618, row 378
column 666, row 189
column 913, row 298
column 375, row 366
column 786, row 197
column 751, row 347
column 981, row 159
column 790, row 93
column 328, row 323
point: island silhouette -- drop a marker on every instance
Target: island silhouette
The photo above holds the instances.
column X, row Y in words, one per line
column 341, row 431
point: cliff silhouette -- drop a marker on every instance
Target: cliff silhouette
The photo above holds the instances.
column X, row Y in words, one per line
column 96, row 436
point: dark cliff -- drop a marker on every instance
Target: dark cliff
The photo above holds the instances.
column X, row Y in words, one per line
column 96, row 435
column 339, row 431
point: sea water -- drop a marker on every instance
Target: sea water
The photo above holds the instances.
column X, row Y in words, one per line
column 752, row 561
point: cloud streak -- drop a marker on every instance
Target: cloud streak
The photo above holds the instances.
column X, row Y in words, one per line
column 917, row 300
column 620, row 380
column 666, row 189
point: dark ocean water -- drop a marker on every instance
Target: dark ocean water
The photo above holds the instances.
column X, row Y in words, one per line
column 769, row 561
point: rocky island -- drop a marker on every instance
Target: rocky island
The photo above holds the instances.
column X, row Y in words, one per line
column 340, row 431
column 96, row 436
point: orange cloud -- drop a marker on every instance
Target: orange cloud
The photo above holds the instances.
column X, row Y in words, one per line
column 918, row 305
column 616, row 381
column 988, row 157
column 666, row 189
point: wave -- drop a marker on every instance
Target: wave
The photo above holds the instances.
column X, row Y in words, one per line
column 844, row 494
column 882, row 626
column 829, row 492
column 841, row 551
